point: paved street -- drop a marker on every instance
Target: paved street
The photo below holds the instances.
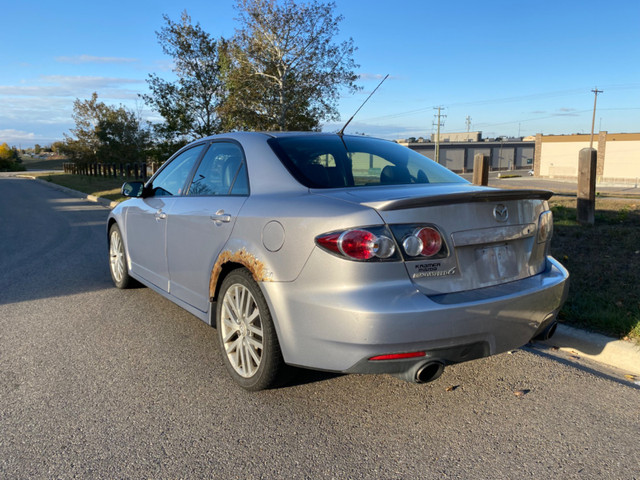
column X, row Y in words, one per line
column 101, row 383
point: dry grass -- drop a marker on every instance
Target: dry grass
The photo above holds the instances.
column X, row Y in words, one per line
column 604, row 263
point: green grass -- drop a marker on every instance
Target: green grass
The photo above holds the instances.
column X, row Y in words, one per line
column 604, row 263
column 42, row 164
column 105, row 187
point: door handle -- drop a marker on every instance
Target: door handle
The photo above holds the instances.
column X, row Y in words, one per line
column 220, row 217
column 160, row 215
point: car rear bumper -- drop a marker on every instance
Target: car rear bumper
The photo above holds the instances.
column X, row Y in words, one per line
column 338, row 321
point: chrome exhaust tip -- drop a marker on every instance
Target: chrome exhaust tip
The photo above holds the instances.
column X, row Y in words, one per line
column 429, row 372
column 548, row 332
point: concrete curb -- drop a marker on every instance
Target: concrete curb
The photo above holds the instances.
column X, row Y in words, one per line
column 621, row 354
column 92, row 198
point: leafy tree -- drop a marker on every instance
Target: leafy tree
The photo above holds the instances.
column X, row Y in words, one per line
column 87, row 115
column 283, row 69
column 57, row 147
column 105, row 133
column 121, row 137
column 9, row 158
column 37, row 149
column 189, row 105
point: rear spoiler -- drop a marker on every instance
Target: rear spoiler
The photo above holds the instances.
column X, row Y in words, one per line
column 460, row 197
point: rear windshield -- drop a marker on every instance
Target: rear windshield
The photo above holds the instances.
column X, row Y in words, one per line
column 329, row 161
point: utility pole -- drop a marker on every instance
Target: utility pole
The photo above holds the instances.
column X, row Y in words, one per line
column 438, row 124
column 468, row 122
column 593, row 120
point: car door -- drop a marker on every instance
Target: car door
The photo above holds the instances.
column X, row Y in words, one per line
column 146, row 218
column 199, row 223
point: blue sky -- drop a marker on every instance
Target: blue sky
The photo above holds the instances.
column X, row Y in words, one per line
column 513, row 67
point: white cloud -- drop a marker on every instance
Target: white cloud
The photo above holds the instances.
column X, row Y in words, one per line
column 371, row 76
column 77, row 59
column 45, row 105
column 88, row 81
column 12, row 136
column 74, row 87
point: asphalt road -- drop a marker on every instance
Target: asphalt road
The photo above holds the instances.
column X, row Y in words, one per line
column 101, row 383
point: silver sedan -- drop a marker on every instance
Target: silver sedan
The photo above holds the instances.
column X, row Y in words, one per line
column 341, row 253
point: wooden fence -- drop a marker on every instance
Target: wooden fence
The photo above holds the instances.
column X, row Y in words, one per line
column 138, row 171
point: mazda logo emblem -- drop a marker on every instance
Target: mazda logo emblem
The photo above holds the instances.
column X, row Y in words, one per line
column 500, row 213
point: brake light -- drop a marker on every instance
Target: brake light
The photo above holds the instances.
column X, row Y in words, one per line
column 358, row 244
column 425, row 241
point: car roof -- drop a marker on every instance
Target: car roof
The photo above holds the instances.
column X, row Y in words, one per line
column 277, row 134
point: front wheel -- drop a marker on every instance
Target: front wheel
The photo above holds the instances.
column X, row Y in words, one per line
column 247, row 337
column 118, row 259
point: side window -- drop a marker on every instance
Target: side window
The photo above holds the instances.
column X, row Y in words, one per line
column 221, row 172
column 172, row 178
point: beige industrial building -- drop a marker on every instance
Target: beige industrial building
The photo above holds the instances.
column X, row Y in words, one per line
column 556, row 156
column 458, row 137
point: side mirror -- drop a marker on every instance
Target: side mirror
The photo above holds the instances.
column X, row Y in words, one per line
column 132, row 189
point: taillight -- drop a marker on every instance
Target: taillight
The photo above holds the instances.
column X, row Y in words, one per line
column 424, row 241
column 421, row 241
column 545, row 226
column 359, row 244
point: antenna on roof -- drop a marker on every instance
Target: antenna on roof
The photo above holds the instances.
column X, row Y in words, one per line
column 341, row 132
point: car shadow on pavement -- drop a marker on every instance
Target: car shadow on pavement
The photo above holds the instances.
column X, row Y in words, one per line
column 301, row 376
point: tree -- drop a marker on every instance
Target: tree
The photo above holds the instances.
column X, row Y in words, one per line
column 37, row 149
column 105, row 133
column 121, row 137
column 57, row 147
column 284, row 71
column 189, row 105
column 9, row 158
column 87, row 115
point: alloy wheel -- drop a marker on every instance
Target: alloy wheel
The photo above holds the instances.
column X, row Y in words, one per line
column 242, row 333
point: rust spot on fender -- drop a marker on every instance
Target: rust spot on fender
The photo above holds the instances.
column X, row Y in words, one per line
column 244, row 258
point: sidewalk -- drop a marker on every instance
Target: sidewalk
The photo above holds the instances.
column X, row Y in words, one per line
column 621, row 354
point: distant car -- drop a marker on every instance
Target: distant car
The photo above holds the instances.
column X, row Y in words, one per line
column 341, row 253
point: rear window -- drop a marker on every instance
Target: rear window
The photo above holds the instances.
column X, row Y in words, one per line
column 329, row 161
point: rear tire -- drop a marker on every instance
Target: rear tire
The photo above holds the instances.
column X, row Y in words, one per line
column 118, row 262
column 246, row 335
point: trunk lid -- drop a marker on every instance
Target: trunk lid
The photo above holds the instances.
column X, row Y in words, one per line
column 490, row 234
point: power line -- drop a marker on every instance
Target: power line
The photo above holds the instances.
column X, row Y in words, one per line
column 534, row 96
